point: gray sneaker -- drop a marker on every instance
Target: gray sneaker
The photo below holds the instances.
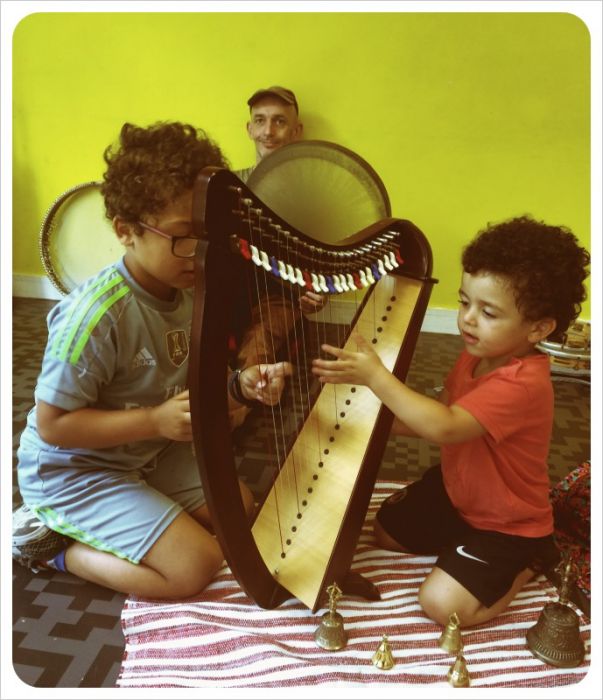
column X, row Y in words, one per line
column 34, row 542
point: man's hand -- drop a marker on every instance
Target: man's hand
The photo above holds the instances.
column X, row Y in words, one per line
column 311, row 302
column 265, row 383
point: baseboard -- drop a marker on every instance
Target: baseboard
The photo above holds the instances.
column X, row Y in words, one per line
column 34, row 287
column 339, row 310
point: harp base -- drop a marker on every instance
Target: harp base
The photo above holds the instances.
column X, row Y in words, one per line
column 356, row 584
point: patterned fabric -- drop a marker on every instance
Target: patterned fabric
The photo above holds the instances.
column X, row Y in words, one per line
column 571, row 509
column 221, row 639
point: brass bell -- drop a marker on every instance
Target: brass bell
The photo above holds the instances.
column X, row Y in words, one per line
column 450, row 639
column 330, row 634
column 383, row 658
column 458, row 675
column 555, row 638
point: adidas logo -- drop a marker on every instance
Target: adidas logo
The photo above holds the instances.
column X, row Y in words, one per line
column 143, row 358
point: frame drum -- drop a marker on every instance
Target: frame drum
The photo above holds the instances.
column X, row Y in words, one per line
column 76, row 239
column 321, row 188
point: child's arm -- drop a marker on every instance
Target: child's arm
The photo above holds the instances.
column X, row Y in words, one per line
column 416, row 414
column 96, row 428
column 399, row 428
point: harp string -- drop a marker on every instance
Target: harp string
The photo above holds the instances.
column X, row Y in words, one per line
column 256, row 302
column 264, row 235
column 288, row 302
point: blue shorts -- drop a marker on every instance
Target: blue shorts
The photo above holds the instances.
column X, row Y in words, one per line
column 121, row 512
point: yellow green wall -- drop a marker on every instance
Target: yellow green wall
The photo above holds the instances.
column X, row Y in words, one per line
column 467, row 117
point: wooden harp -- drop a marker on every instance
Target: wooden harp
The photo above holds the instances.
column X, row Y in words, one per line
column 305, row 533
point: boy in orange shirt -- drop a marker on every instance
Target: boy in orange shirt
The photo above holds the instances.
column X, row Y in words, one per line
column 485, row 511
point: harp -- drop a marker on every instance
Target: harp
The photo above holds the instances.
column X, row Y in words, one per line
column 304, row 536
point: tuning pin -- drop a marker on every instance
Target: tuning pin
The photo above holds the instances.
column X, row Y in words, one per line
column 450, row 640
column 383, row 658
column 458, row 676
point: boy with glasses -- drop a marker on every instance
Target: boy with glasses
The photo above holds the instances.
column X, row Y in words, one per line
column 106, row 468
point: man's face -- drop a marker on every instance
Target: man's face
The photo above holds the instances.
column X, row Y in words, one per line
column 272, row 124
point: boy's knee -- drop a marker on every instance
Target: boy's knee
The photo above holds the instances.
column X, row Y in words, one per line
column 439, row 603
column 195, row 573
column 434, row 604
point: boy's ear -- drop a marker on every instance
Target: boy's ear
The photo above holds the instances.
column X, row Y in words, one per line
column 124, row 230
column 542, row 329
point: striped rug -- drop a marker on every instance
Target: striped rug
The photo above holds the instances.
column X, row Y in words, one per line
column 221, row 639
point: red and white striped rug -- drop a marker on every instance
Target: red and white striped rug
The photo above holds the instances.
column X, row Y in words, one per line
column 221, row 639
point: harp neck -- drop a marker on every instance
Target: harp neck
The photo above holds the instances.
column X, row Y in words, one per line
column 227, row 213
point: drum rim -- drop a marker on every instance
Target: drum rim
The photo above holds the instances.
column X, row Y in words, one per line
column 297, row 149
column 45, row 230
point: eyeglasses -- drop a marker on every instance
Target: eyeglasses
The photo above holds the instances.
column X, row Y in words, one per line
column 182, row 246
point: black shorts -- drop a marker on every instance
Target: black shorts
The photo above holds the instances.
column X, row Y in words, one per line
column 422, row 520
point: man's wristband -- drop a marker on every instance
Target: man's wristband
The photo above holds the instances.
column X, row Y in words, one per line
column 234, row 389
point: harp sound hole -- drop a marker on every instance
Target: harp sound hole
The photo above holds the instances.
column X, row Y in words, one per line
column 331, row 439
column 384, row 318
column 373, row 341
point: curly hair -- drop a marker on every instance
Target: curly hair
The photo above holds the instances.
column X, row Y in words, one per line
column 150, row 167
column 545, row 265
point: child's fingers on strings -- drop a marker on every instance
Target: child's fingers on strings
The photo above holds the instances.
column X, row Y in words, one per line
column 332, row 350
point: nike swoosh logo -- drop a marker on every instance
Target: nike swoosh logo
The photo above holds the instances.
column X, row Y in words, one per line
column 461, row 550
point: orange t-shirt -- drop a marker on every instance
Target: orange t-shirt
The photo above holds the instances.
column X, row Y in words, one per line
column 500, row 480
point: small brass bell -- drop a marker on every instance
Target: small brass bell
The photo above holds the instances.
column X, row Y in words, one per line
column 450, row 639
column 383, row 658
column 555, row 638
column 458, row 675
column 330, row 634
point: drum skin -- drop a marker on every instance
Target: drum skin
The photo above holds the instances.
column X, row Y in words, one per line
column 76, row 238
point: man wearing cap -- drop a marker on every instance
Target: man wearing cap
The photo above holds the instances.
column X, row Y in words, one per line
column 273, row 122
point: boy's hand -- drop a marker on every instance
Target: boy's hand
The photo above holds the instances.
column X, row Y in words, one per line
column 359, row 367
column 311, row 302
column 173, row 418
column 265, row 383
